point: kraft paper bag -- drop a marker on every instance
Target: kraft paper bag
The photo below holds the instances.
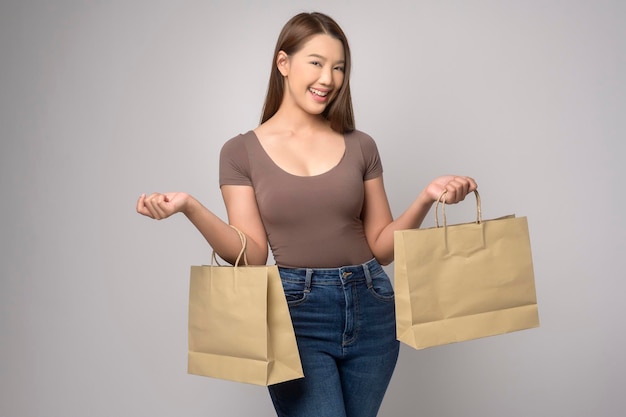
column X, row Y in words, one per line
column 239, row 324
column 461, row 282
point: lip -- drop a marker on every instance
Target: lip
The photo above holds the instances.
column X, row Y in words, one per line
column 318, row 98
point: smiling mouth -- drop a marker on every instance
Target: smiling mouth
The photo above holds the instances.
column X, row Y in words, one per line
column 318, row 92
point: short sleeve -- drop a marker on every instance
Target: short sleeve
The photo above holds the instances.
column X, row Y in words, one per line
column 373, row 166
column 234, row 166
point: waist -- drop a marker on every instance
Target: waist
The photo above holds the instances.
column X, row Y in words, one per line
column 332, row 275
column 309, row 248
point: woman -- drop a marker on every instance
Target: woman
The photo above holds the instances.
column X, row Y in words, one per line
column 309, row 184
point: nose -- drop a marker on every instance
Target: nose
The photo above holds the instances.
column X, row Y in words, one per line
column 326, row 76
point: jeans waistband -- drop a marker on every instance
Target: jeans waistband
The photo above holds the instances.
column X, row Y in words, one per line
column 334, row 275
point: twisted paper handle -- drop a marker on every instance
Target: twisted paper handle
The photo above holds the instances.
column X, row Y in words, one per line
column 244, row 244
column 442, row 199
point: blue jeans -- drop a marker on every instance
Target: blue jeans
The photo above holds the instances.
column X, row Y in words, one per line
column 344, row 320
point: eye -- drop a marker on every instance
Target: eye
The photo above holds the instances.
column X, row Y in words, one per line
column 317, row 63
column 340, row 69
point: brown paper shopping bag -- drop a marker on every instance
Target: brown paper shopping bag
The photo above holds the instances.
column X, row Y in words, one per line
column 465, row 281
column 239, row 324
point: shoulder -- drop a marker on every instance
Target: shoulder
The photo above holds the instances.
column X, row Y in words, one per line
column 238, row 143
column 234, row 165
column 364, row 140
column 359, row 135
column 365, row 151
column 238, row 148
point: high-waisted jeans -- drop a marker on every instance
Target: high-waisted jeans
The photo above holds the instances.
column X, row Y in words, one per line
column 344, row 320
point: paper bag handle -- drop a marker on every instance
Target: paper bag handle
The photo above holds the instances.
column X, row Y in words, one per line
column 442, row 199
column 244, row 243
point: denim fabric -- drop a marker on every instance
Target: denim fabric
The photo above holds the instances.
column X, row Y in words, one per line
column 344, row 320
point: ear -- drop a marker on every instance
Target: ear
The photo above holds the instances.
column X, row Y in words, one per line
column 282, row 63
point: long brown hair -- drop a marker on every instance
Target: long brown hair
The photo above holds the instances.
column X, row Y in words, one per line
column 296, row 32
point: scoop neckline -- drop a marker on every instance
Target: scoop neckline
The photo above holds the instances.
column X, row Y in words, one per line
column 334, row 167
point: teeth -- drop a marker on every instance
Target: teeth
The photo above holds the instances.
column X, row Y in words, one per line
column 318, row 92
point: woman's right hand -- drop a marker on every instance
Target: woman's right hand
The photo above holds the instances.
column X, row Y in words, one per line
column 161, row 205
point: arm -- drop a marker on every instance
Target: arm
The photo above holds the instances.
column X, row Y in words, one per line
column 379, row 224
column 242, row 213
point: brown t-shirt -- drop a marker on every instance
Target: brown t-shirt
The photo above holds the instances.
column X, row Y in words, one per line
column 310, row 221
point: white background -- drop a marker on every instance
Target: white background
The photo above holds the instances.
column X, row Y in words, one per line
column 101, row 101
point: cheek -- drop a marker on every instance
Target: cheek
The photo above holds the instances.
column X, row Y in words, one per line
column 338, row 81
column 338, row 77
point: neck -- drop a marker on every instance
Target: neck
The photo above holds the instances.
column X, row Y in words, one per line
column 297, row 120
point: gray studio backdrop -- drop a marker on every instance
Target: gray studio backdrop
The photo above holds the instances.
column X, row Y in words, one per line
column 101, row 101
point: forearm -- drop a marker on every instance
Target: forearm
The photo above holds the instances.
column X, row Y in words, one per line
column 412, row 218
column 221, row 237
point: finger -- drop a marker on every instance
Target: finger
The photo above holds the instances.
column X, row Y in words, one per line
column 457, row 190
column 152, row 205
column 450, row 193
column 465, row 187
column 158, row 205
column 140, row 203
column 156, row 208
column 142, row 207
column 473, row 184
column 468, row 185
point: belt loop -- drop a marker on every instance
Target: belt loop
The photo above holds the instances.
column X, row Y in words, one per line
column 307, row 280
column 368, row 277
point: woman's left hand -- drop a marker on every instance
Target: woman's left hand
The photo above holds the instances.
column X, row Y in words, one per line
column 457, row 188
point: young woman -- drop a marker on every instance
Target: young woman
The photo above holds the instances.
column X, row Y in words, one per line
column 309, row 184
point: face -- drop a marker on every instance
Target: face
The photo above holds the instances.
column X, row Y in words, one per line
column 314, row 74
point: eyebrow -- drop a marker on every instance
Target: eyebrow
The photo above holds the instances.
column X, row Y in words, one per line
column 324, row 58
